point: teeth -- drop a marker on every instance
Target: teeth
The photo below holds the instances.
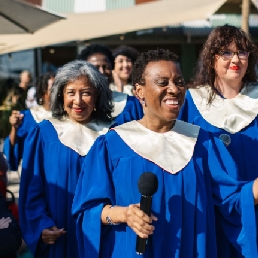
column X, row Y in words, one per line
column 171, row 102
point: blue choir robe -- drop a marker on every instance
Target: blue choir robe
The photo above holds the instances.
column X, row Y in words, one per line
column 30, row 119
column 51, row 165
column 235, row 122
column 192, row 177
column 126, row 108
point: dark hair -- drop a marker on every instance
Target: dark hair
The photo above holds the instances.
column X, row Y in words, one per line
column 218, row 40
column 42, row 85
column 127, row 51
column 71, row 72
column 94, row 49
column 147, row 57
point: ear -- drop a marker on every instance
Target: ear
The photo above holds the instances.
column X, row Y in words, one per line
column 139, row 91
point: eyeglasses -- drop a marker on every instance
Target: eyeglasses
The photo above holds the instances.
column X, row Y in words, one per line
column 228, row 55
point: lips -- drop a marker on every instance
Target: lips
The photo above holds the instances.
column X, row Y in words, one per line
column 78, row 110
column 235, row 68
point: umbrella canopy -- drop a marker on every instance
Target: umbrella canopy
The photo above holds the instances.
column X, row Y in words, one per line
column 83, row 26
column 19, row 17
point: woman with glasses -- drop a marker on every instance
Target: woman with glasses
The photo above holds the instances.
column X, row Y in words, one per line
column 224, row 101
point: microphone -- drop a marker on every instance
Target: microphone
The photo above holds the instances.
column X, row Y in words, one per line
column 147, row 185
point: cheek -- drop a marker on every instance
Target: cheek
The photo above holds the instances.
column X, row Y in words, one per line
column 117, row 67
column 90, row 101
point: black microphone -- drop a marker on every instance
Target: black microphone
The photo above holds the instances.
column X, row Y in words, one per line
column 147, row 185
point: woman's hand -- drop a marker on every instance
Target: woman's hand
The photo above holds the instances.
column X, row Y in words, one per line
column 4, row 222
column 117, row 81
column 139, row 221
column 50, row 235
column 15, row 119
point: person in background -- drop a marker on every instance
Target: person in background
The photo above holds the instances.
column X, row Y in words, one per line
column 24, row 85
column 124, row 57
column 126, row 108
column 224, row 101
column 31, row 98
column 192, row 177
column 10, row 233
column 81, row 106
column 22, row 121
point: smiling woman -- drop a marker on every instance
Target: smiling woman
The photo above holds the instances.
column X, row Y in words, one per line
column 224, row 101
column 55, row 149
column 191, row 178
column 79, row 100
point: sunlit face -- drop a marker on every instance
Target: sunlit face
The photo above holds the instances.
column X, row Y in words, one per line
column 123, row 67
column 163, row 92
column 79, row 100
column 101, row 62
column 230, row 70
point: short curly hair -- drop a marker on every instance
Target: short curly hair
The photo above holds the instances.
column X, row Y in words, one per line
column 94, row 49
column 42, row 85
column 147, row 57
column 73, row 71
column 218, row 40
column 127, row 51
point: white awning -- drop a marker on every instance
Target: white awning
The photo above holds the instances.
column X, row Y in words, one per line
column 83, row 26
column 17, row 17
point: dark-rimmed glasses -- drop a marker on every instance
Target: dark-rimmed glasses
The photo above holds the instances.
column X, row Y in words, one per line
column 228, row 54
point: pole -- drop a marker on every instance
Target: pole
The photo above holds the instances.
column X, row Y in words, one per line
column 245, row 15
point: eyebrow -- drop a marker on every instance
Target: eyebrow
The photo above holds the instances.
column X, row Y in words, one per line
column 86, row 88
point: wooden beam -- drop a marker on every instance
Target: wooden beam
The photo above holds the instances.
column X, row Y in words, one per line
column 245, row 15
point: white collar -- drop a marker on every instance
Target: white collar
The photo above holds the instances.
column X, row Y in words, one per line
column 171, row 151
column 39, row 113
column 119, row 102
column 232, row 115
column 76, row 136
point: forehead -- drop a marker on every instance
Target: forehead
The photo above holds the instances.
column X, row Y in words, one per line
column 234, row 45
column 162, row 68
column 81, row 82
column 97, row 58
column 122, row 57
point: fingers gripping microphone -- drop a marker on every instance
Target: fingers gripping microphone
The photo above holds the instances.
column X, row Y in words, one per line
column 147, row 185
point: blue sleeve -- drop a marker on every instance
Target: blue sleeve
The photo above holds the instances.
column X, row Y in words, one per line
column 234, row 200
column 33, row 212
column 132, row 111
column 93, row 191
column 14, row 153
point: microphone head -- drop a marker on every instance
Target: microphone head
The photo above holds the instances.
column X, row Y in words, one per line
column 148, row 184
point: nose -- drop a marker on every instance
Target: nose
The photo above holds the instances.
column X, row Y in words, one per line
column 172, row 88
column 77, row 98
column 235, row 57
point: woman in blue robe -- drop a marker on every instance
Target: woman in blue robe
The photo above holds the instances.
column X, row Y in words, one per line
column 192, row 177
column 23, row 121
column 224, row 101
column 81, row 105
column 126, row 108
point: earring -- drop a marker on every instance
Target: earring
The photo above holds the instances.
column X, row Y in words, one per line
column 212, row 72
column 40, row 101
column 143, row 102
column 95, row 109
